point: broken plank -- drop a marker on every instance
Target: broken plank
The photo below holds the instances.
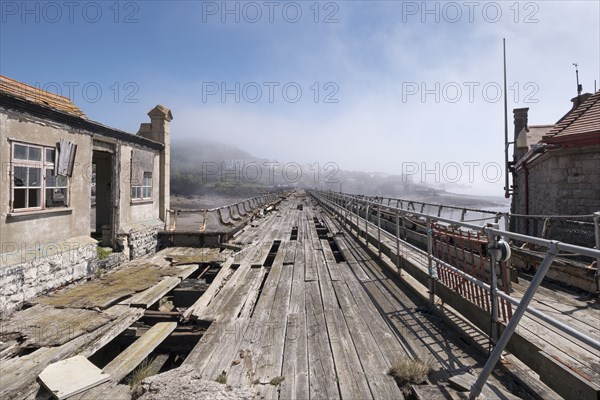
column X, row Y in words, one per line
column 42, row 325
column 129, row 359
column 150, row 296
column 18, row 374
column 212, row 290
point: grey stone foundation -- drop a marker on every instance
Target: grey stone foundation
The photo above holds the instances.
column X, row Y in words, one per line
column 27, row 273
column 139, row 240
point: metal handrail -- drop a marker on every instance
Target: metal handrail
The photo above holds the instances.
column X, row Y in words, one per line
column 512, row 235
column 522, row 305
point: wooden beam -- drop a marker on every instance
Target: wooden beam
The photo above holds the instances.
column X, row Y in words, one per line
column 128, row 360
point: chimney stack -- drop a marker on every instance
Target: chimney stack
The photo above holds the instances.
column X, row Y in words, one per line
column 159, row 130
column 520, row 124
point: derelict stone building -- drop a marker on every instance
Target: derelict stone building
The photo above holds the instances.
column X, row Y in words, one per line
column 69, row 184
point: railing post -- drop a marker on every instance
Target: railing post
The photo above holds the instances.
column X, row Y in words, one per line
column 357, row 218
column 493, row 244
column 367, row 225
column 379, row 230
column 597, row 234
column 398, row 242
column 430, row 260
column 514, row 321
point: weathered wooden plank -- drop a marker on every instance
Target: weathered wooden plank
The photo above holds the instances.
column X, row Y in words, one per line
column 257, row 329
column 215, row 307
column 151, row 295
column 253, row 293
column 310, row 264
column 226, row 353
column 332, row 265
column 375, row 363
column 295, row 358
column 268, row 363
column 322, row 374
column 200, row 305
column 361, row 275
column 290, row 252
column 18, row 374
column 429, row 392
column 351, row 377
column 42, row 325
column 129, row 359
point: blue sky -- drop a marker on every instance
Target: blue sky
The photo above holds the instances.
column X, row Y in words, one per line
column 361, row 68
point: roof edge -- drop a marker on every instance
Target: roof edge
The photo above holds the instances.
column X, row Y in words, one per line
column 37, row 110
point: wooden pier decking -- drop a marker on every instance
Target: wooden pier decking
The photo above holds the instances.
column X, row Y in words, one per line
column 325, row 328
column 303, row 311
column 569, row 366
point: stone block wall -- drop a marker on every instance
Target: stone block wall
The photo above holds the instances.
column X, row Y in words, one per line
column 28, row 275
column 138, row 240
column 563, row 182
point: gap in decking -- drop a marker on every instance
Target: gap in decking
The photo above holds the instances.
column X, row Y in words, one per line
column 267, row 265
column 168, row 355
column 260, row 289
column 294, row 234
column 272, row 253
column 337, row 253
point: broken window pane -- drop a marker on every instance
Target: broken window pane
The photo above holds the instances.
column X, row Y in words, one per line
column 20, row 176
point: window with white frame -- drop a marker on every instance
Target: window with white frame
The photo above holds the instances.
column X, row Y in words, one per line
column 143, row 191
column 34, row 184
column 142, row 165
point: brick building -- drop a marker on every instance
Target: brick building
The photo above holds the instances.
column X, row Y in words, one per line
column 556, row 171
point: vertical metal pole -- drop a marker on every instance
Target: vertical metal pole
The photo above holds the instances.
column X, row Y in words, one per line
column 398, row 242
column 357, row 217
column 379, row 230
column 404, row 227
column 430, row 260
column 597, row 234
column 367, row 225
column 514, row 321
column 492, row 245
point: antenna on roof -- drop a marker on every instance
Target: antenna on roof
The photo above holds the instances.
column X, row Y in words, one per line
column 579, row 87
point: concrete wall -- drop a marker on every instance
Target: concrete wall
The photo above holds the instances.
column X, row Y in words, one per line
column 139, row 221
column 54, row 224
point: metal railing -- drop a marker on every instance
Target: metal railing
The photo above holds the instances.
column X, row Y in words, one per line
column 221, row 216
column 345, row 205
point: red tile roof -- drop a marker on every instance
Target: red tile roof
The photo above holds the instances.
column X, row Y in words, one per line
column 38, row 96
column 581, row 126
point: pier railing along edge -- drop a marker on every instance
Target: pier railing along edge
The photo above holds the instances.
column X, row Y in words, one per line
column 351, row 202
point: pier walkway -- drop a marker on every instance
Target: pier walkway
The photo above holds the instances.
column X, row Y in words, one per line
column 295, row 306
